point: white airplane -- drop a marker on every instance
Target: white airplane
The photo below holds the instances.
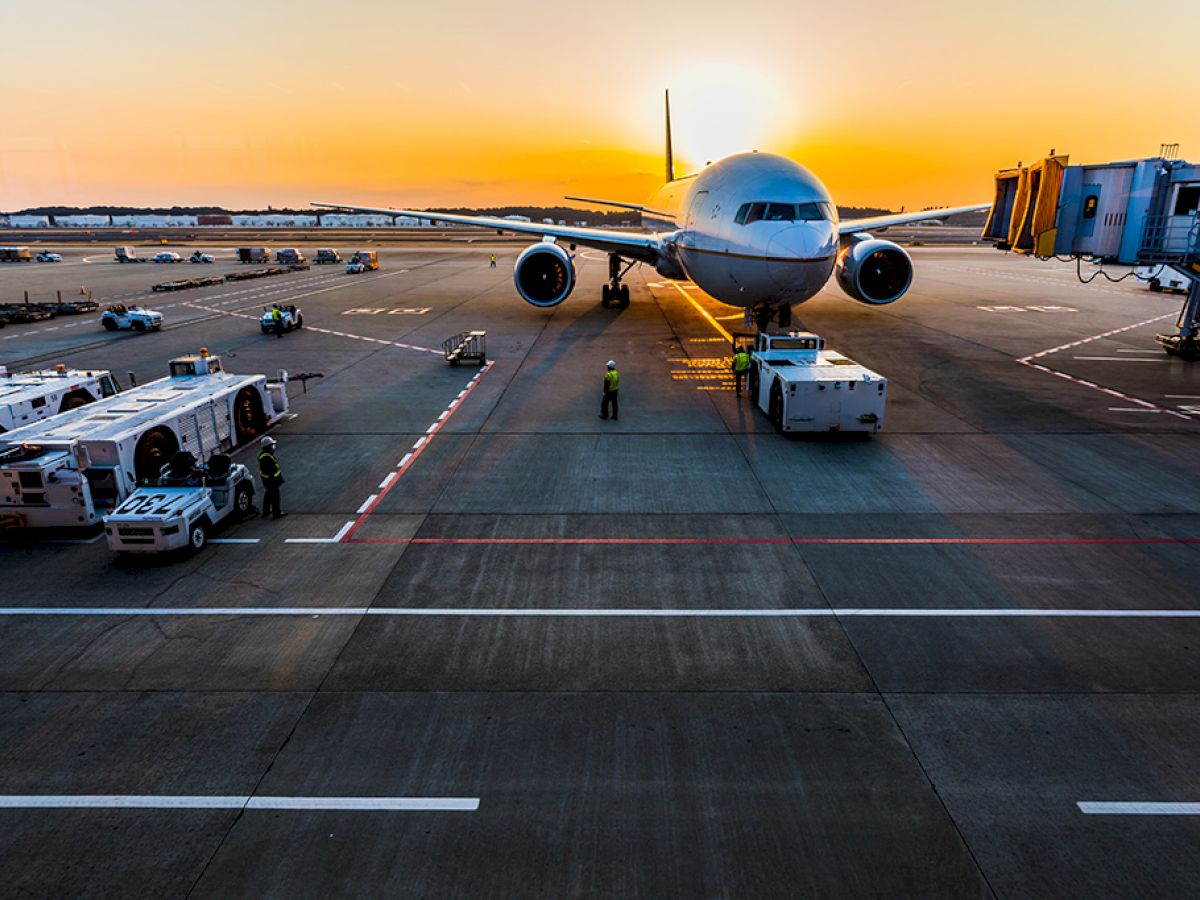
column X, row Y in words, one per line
column 753, row 230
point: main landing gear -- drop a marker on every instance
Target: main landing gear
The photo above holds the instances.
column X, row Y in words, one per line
column 614, row 293
column 764, row 314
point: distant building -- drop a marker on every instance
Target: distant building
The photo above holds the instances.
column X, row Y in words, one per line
column 517, row 219
column 82, row 221
column 141, row 221
column 29, row 221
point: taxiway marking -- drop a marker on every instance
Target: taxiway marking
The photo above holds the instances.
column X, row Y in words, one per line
column 1136, row 808
column 200, row 801
column 347, row 534
column 703, row 312
column 600, row 613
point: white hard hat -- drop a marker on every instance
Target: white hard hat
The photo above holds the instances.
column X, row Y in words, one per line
column 268, row 441
column 612, row 364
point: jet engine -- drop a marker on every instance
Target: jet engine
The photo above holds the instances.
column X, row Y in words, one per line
column 873, row 271
column 544, row 274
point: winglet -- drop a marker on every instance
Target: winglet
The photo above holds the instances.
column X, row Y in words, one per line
column 670, row 154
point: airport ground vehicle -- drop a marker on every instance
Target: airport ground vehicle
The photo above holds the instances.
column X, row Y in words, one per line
column 254, row 254
column 1163, row 278
column 292, row 319
column 47, row 256
column 27, row 397
column 363, row 261
column 126, row 255
column 120, row 317
column 289, row 256
column 186, row 505
column 71, row 469
column 802, row 387
column 167, row 256
column 327, row 255
column 15, row 254
column 199, row 257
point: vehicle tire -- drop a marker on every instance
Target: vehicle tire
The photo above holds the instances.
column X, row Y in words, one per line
column 74, row 401
column 198, row 535
column 243, row 500
column 1156, row 285
column 248, row 418
column 752, row 383
column 139, row 326
column 299, row 321
column 154, row 450
column 775, row 407
column 109, row 324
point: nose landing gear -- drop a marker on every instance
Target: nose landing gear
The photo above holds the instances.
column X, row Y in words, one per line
column 615, row 293
column 764, row 313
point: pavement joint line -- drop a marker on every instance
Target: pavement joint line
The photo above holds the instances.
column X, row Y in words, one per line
column 410, row 458
column 242, row 802
column 1136, row 808
column 602, row 612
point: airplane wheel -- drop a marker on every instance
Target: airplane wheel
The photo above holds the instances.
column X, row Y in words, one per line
column 624, row 295
column 762, row 318
column 605, row 296
column 785, row 316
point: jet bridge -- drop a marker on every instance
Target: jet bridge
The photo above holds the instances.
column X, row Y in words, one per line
column 1140, row 212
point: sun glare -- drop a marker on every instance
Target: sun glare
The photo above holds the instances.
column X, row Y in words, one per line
column 722, row 108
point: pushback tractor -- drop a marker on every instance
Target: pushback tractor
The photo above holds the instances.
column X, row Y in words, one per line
column 802, row 387
column 27, row 397
column 73, row 468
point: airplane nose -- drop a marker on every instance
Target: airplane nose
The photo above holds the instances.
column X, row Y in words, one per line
column 793, row 252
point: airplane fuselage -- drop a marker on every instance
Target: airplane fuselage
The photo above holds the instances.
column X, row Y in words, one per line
column 752, row 229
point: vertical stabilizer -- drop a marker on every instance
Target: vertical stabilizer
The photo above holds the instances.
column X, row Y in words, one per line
column 670, row 153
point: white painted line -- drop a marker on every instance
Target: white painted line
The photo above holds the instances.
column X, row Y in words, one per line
column 1182, row 396
column 404, row 459
column 308, row 540
column 1138, row 409
column 366, row 503
column 575, row 612
column 185, row 801
column 233, row 540
column 1114, row 808
column 431, row 429
column 445, row 413
column 1154, row 352
column 1120, row 359
column 418, row 444
column 342, row 531
column 392, row 477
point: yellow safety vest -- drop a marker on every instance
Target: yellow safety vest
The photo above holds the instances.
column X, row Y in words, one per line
column 741, row 361
column 612, row 380
column 277, row 314
column 268, row 465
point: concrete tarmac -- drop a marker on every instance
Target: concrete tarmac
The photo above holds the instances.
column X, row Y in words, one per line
column 674, row 655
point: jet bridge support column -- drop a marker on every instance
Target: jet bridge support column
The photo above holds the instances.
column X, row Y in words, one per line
column 1184, row 342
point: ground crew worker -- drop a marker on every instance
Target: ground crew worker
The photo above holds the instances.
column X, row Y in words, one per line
column 277, row 318
column 272, row 477
column 612, row 384
column 493, row 262
column 741, row 365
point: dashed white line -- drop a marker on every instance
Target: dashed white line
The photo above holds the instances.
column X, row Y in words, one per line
column 365, row 505
column 201, row 801
column 1134, row 808
column 383, row 485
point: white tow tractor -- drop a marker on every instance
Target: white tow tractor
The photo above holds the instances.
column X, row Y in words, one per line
column 74, row 468
column 291, row 319
column 184, row 508
column 120, row 317
column 201, row 257
column 802, row 387
column 27, row 397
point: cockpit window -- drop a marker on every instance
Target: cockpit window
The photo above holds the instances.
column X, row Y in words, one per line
column 817, row 211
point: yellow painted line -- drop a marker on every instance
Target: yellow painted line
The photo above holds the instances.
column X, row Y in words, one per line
column 708, row 316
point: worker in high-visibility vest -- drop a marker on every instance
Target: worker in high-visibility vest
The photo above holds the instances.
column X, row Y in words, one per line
column 612, row 384
column 272, row 477
column 493, row 262
column 741, row 365
column 277, row 318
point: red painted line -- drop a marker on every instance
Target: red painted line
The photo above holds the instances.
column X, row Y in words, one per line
column 412, row 458
column 798, row 541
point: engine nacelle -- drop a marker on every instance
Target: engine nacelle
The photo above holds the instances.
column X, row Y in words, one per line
column 544, row 274
column 873, row 271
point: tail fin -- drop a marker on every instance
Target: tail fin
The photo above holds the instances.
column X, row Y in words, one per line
column 670, row 153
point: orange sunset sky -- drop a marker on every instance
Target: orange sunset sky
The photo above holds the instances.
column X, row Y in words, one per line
column 477, row 104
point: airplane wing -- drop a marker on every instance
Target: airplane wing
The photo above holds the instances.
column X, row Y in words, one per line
column 641, row 246
column 853, row 226
column 636, row 207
